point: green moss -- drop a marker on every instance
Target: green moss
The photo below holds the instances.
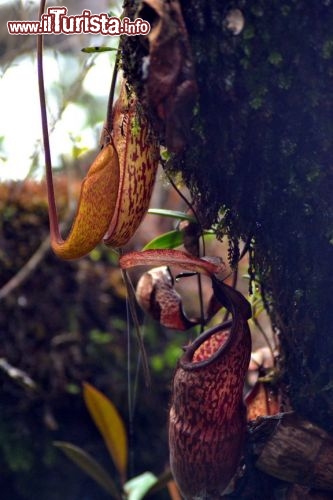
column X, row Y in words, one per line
column 249, row 32
column 256, row 103
column 275, row 58
column 284, row 81
column 327, row 51
column 257, row 10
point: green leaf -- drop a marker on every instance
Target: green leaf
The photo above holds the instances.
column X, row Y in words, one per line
column 109, row 424
column 137, row 487
column 78, row 151
column 257, row 310
column 89, row 465
column 112, row 13
column 172, row 239
column 174, row 214
column 98, row 50
column 209, row 235
column 165, row 154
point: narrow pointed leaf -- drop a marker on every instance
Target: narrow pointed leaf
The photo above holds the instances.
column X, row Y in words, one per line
column 174, row 214
column 172, row 258
column 97, row 50
column 110, row 425
column 89, row 465
column 171, row 239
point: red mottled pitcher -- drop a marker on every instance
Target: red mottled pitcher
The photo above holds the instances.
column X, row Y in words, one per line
column 207, row 421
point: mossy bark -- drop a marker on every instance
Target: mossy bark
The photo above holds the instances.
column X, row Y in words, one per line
column 261, row 148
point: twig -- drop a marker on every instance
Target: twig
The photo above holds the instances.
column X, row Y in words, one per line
column 23, row 274
column 29, row 267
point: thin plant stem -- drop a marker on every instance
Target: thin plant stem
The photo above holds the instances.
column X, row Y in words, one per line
column 131, row 304
column 54, row 227
column 199, row 278
column 112, row 91
column 233, row 285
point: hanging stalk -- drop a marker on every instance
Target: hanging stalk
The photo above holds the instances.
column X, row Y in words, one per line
column 116, row 191
column 99, row 189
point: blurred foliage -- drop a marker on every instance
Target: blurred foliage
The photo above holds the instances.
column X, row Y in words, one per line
column 112, row 430
column 64, row 324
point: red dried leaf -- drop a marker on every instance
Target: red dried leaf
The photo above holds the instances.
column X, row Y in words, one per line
column 171, row 85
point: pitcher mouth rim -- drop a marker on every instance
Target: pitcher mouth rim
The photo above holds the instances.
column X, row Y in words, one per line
column 186, row 361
